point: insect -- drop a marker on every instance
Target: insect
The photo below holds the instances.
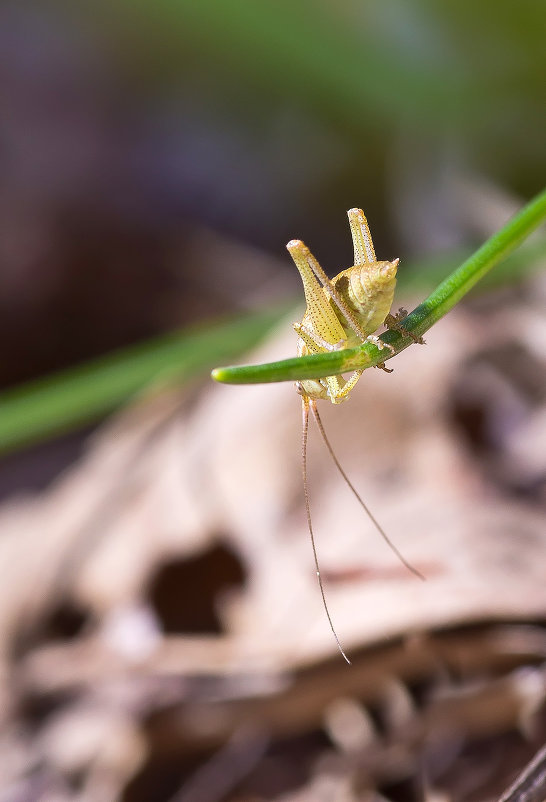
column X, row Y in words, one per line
column 341, row 313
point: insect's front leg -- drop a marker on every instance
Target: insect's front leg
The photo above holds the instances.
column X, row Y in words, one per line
column 339, row 389
column 393, row 322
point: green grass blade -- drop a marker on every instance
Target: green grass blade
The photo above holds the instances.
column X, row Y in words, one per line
column 34, row 411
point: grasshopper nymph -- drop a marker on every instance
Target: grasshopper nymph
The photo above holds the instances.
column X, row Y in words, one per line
column 341, row 313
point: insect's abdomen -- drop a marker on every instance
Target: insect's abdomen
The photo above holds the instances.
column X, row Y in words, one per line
column 369, row 291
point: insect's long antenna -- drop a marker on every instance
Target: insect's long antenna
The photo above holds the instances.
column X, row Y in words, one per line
column 388, row 541
column 305, row 430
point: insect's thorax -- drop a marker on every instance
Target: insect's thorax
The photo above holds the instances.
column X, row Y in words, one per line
column 368, row 290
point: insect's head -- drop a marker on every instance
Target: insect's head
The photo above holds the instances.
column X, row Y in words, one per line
column 383, row 274
column 387, row 270
column 361, row 283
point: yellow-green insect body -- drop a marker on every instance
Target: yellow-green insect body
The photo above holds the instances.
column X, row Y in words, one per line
column 344, row 311
column 341, row 312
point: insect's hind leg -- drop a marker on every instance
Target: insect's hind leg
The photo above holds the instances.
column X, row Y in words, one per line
column 362, row 239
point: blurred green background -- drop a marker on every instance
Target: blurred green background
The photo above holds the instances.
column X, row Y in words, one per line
column 157, row 156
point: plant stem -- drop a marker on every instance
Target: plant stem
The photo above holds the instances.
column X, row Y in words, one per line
column 438, row 303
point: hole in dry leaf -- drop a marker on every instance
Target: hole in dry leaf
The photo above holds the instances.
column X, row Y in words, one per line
column 185, row 593
column 66, row 621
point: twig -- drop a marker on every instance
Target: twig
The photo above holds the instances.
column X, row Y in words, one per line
column 530, row 786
